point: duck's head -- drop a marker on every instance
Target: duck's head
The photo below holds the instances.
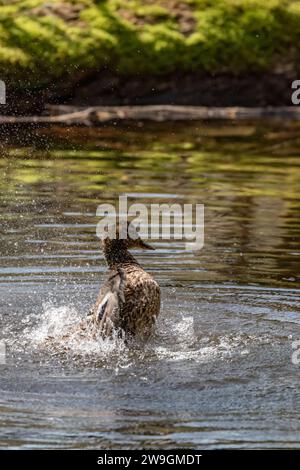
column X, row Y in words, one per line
column 123, row 237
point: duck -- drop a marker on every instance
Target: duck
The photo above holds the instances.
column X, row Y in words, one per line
column 129, row 300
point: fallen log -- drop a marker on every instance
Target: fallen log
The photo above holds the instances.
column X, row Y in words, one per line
column 74, row 115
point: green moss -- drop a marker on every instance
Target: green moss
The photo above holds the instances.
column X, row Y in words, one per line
column 42, row 41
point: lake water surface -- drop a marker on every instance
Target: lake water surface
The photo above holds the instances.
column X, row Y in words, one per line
column 218, row 372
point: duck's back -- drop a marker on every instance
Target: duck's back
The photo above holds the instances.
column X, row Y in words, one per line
column 129, row 301
column 142, row 301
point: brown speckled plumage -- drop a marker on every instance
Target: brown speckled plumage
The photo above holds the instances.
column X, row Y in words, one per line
column 129, row 301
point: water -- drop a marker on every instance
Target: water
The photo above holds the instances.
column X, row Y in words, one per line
column 218, row 371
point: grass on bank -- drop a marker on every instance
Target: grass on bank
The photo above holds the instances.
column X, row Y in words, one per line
column 44, row 41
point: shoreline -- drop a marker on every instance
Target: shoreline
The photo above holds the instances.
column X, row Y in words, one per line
column 207, row 91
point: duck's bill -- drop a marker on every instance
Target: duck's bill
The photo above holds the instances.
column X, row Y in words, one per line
column 146, row 246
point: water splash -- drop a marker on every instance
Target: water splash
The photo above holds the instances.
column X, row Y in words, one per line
column 55, row 332
column 52, row 322
column 185, row 344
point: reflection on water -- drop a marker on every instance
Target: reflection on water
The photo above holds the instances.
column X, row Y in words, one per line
column 252, row 204
column 218, row 371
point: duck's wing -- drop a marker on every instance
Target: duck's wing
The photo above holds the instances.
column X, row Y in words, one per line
column 110, row 299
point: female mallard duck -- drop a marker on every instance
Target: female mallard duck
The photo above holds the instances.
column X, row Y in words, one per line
column 129, row 301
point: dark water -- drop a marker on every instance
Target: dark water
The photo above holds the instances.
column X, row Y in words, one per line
column 218, row 372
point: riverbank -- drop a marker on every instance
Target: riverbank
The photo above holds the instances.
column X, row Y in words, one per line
column 206, row 53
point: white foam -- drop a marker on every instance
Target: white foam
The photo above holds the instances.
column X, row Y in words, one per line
column 53, row 322
column 56, row 331
column 175, row 340
column 184, row 344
